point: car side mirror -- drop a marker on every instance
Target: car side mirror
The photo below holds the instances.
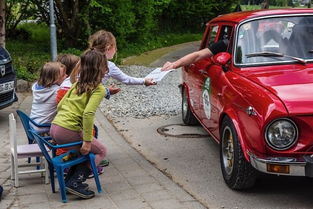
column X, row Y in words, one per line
column 221, row 58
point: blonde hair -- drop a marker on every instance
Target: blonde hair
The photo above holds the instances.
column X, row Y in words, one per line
column 102, row 41
column 93, row 66
column 49, row 74
column 69, row 60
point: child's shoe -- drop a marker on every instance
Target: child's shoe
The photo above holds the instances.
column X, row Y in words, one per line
column 104, row 163
column 79, row 189
column 100, row 171
column 74, row 183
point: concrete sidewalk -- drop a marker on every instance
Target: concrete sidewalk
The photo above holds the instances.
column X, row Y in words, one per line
column 129, row 182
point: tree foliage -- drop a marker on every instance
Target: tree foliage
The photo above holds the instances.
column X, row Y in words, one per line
column 128, row 20
column 187, row 15
column 17, row 11
column 2, row 23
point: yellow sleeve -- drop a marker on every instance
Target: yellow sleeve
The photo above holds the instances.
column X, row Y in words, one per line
column 90, row 111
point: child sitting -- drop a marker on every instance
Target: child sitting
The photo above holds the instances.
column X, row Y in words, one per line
column 44, row 106
column 70, row 61
column 75, row 118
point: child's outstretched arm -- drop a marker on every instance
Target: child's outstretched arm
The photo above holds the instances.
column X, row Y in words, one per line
column 117, row 74
column 149, row 82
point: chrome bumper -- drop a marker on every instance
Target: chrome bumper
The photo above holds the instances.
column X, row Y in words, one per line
column 297, row 167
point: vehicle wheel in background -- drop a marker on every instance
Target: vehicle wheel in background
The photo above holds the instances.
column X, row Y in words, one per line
column 237, row 171
column 187, row 115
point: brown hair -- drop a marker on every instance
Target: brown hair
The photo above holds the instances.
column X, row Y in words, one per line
column 49, row 74
column 102, row 40
column 75, row 73
column 69, row 60
column 93, row 66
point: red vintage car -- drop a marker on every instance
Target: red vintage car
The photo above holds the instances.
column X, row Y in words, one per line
column 256, row 99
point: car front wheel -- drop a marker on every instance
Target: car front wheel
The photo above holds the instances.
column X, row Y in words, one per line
column 187, row 115
column 237, row 171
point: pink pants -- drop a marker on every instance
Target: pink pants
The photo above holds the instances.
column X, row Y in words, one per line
column 63, row 136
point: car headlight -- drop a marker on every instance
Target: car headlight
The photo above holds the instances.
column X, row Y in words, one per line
column 281, row 134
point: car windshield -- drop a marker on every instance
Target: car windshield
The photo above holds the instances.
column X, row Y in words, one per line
column 261, row 41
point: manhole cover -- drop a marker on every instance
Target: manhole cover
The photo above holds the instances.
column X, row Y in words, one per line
column 182, row 131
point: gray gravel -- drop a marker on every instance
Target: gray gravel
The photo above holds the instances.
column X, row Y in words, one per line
column 139, row 101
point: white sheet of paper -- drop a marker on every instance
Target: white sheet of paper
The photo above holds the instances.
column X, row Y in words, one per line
column 157, row 75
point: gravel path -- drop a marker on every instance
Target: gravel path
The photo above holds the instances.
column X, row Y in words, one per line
column 141, row 102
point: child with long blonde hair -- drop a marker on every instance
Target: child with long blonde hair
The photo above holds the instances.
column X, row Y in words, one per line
column 75, row 118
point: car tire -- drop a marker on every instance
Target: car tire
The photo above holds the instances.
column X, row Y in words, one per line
column 237, row 171
column 187, row 115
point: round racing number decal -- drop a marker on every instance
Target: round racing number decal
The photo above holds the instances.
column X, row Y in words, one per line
column 206, row 98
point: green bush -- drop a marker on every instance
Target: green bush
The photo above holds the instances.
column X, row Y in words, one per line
column 115, row 16
column 28, row 57
column 39, row 32
column 74, row 51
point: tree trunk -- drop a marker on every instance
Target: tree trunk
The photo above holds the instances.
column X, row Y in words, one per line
column 309, row 3
column 265, row 4
column 72, row 18
column 2, row 23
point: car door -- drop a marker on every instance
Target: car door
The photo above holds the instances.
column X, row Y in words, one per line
column 192, row 73
column 212, row 82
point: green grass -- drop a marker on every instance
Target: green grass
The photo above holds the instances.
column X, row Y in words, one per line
column 39, row 32
column 30, row 49
column 162, row 40
column 29, row 55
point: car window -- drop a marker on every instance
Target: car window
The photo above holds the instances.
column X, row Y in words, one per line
column 213, row 34
column 289, row 35
column 226, row 33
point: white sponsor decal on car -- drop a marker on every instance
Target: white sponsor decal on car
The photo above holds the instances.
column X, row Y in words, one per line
column 206, row 98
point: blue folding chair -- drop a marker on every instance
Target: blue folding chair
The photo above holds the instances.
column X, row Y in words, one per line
column 57, row 164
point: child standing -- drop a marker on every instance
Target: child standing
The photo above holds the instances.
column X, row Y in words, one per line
column 44, row 104
column 75, row 118
column 105, row 42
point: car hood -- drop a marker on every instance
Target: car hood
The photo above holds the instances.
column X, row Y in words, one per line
column 294, row 86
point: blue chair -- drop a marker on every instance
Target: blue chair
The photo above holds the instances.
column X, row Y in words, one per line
column 26, row 121
column 57, row 164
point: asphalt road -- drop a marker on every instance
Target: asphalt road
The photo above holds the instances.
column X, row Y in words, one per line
column 194, row 164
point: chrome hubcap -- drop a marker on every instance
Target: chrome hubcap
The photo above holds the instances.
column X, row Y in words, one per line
column 228, row 150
